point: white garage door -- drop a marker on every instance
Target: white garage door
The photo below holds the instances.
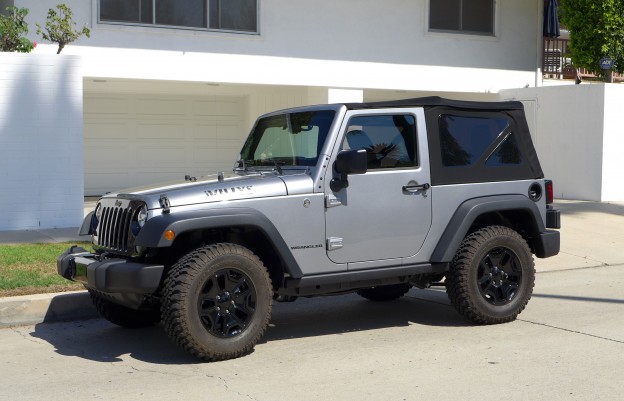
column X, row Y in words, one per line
column 133, row 140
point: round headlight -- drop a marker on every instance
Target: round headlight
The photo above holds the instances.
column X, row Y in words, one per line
column 142, row 216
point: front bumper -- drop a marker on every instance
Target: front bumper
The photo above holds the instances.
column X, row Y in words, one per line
column 114, row 275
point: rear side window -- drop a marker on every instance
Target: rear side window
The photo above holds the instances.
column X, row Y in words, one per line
column 464, row 140
column 480, row 145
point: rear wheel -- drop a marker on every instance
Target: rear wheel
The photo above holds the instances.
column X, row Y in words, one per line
column 217, row 301
column 385, row 292
column 123, row 316
column 492, row 275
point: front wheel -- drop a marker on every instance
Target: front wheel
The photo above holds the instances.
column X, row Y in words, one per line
column 492, row 275
column 217, row 301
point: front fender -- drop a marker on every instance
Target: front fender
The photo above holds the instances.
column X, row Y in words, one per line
column 152, row 234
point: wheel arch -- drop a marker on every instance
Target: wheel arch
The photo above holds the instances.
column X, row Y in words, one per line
column 243, row 226
column 514, row 211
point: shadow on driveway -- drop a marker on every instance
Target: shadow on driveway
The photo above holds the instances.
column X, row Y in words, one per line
column 101, row 341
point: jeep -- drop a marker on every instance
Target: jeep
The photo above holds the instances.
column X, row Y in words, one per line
column 372, row 198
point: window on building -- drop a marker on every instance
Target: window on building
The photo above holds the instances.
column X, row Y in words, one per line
column 389, row 140
column 228, row 15
column 465, row 16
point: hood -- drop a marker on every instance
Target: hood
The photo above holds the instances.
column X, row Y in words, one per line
column 210, row 189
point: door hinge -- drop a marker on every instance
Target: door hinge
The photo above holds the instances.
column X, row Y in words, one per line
column 332, row 201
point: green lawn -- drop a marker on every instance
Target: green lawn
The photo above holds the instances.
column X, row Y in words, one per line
column 31, row 269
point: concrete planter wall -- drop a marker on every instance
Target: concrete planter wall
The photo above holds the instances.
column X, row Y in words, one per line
column 41, row 141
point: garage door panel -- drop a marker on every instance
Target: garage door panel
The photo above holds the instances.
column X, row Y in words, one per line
column 203, row 108
column 161, row 107
column 107, row 155
column 230, row 109
column 229, row 131
column 204, row 130
column 151, row 177
column 105, row 105
column 102, row 182
column 106, row 130
column 157, row 156
column 133, row 140
column 166, row 131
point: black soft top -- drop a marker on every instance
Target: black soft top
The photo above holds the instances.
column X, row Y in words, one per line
column 435, row 107
column 436, row 101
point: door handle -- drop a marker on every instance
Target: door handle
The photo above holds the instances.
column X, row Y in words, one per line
column 415, row 187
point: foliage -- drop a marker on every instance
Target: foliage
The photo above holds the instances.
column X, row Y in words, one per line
column 60, row 27
column 12, row 28
column 596, row 30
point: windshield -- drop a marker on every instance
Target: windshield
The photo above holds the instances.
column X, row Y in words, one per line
column 293, row 139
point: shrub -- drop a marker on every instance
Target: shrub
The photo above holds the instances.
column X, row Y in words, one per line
column 13, row 27
column 60, row 27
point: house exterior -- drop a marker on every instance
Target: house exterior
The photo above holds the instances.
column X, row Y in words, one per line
column 166, row 88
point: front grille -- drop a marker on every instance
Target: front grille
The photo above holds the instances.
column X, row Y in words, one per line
column 114, row 229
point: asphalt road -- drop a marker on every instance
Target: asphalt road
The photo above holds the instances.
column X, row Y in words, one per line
column 567, row 345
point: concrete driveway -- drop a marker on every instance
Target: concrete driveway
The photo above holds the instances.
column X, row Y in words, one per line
column 567, row 345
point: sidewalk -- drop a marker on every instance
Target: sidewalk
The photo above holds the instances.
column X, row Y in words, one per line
column 592, row 235
column 50, row 235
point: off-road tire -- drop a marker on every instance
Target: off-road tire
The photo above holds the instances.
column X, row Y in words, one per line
column 385, row 292
column 217, row 301
column 492, row 275
column 123, row 316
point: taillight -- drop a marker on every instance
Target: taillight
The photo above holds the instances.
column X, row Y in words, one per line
column 549, row 191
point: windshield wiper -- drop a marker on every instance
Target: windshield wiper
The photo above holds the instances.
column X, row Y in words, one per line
column 277, row 166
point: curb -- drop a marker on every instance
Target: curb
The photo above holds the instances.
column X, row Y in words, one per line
column 46, row 308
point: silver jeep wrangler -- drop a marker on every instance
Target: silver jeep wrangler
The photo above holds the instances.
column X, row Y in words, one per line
column 370, row 197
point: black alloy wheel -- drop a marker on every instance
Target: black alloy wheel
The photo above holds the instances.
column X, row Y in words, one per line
column 499, row 276
column 227, row 303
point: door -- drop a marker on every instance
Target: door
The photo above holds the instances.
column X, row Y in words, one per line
column 386, row 212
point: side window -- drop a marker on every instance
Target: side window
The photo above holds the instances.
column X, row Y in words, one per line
column 389, row 140
column 507, row 153
column 464, row 140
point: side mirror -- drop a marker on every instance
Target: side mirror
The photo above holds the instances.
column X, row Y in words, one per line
column 348, row 162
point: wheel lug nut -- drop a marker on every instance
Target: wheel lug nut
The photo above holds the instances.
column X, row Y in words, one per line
column 218, row 309
column 218, row 298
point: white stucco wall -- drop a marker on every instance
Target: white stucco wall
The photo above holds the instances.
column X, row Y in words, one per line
column 613, row 145
column 41, row 161
column 340, row 44
column 578, row 134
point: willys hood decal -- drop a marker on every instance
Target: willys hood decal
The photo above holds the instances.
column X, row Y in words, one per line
column 213, row 188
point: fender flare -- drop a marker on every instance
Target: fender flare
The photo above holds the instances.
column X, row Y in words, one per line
column 151, row 235
column 470, row 210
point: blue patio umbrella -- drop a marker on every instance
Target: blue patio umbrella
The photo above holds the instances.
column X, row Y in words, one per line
column 551, row 19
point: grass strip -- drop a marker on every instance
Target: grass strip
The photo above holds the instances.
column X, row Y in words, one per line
column 31, row 269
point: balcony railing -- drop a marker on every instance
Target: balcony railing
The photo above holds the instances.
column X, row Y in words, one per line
column 557, row 64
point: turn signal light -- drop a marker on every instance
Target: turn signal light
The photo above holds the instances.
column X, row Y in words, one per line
column 169, row 235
